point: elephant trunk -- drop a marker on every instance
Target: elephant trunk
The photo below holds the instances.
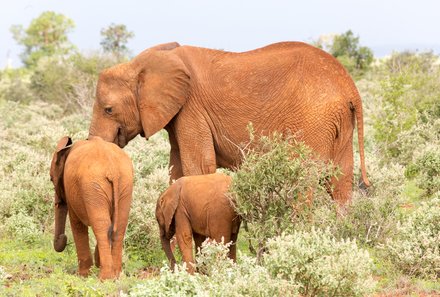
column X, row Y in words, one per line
column 60, row 239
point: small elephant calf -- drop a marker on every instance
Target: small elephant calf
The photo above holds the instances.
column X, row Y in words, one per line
column 93, row 181
column 197, row 207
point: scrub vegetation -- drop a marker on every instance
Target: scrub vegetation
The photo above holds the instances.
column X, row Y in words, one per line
column 386, row 243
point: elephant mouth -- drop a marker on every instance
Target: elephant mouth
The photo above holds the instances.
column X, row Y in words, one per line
column 120, row 139
column 142, row 134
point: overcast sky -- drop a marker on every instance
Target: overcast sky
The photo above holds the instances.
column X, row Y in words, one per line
column 382, row 25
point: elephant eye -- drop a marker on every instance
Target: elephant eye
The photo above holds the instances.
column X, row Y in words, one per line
column 108, row 110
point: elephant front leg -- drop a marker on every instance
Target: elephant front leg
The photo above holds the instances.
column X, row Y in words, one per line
column 196, row 147
column 175, row 165
column 81, row 238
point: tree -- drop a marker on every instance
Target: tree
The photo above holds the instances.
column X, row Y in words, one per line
column 45, row 36
column 345, row 47
column 115, row 38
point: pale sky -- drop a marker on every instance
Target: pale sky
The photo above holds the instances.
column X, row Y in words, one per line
column 383, row 25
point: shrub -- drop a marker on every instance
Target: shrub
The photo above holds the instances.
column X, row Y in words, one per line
column 416, row 249
column 22, row 227
column 223, row 278
column 14, row 85
column 272, row 185
column 409, row 91
column 150, row 161
column 170, row 283
column 426, row 170
column 321, row 265
column 371, row 217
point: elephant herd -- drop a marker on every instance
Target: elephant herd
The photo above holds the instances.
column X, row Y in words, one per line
column 204, row 99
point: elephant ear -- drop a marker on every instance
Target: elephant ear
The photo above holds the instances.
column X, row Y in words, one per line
column 163, row 88
column 168, row 205
column 57, row 168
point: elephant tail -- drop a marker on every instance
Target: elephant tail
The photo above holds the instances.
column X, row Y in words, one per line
column 115, row 219
column 356, row 106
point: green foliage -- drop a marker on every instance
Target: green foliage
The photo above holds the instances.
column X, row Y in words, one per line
column 399, row 212
column 70, row 83
column 345, row 47
column 22, row 227
column 271, row 187
column 35, row 269
column 416, row 248
column 224, row 278
column 321, row 265
column 347, row 50
column 150, row 161
column 114, row 40
column 46, row 36
column 426, row 171
column 14, row 85
column 408, row 100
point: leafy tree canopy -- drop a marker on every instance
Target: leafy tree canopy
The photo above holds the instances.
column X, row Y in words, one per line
column 45, row 36
column 114, row 40
column 346, row 48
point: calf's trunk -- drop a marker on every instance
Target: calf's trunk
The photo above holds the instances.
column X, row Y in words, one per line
column 60, row 239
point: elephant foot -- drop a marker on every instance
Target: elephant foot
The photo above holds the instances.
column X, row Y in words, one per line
column 84, row 272
column 106, row 274
column 84, row 266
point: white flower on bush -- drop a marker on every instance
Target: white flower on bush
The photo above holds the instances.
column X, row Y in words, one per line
column 319, row 264
column 416, row 248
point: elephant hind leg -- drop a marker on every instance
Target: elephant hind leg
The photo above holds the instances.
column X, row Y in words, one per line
column 185, row 240
column 81, row 238
column 343, row 184
column 104, row 251
column 97, row 260
column 233, row 248
column 198, row 239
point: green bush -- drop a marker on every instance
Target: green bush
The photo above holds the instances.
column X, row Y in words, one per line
column 426, row 170
column 150, row 161
column 371, row 217
column 416, row 248
column 271, row 187
column 321, row 265
column 14, row 85
column 224, row 278
column 21, row 227
column 26, row 153
column 409, row 93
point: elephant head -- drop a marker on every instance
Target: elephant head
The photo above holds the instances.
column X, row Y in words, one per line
column 56, row 176
column 165, row 209
column 140, row 96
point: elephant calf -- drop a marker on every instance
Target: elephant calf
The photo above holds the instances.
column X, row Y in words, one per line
column 197, row 207
column 93, row 181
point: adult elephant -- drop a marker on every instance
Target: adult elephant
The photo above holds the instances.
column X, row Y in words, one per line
column 205, row 98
